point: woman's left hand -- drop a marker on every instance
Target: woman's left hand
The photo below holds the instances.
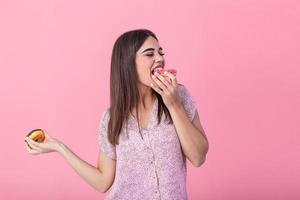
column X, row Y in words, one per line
column 166, row 88
column 50, row 144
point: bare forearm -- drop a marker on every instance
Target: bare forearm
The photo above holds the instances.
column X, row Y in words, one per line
column 193, row 142
column 92, row 175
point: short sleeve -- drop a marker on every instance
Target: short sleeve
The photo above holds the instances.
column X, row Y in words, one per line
column 188, row 101
column 108, row 149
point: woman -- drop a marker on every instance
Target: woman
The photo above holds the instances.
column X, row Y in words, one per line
column 150, row 129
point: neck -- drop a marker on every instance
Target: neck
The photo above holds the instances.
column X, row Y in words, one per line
column 147, row 97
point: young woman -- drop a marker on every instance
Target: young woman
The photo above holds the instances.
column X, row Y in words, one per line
column 145, row 136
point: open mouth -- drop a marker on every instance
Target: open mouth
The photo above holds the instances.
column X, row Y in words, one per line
column 152, row 71
column 157, row 69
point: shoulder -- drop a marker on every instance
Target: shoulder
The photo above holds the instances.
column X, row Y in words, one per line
column 183, row 92
column 187, row 100
column 181, row 88
column 104, row 117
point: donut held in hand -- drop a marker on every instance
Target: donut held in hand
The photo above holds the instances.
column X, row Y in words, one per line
column 37, row 135
column 161, row 71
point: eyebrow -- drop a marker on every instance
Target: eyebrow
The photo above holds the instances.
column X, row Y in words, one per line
column 151, row 49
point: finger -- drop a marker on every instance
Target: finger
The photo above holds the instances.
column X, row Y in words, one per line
column 30, row 150
column 33, row 144
column 27, row 145
column 46, row 133
column 164, row 80
column 34, row 152
column 31, row 141
column 172, row 77
column 159, row 83
column 156, row 88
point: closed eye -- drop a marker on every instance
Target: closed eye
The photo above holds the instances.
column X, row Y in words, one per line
column 150, row 55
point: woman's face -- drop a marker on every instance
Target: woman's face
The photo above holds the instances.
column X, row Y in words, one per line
column 148, row 57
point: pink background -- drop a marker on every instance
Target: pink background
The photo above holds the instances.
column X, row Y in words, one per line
column 239, row 59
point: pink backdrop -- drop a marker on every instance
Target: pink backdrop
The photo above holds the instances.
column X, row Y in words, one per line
column 239, row 59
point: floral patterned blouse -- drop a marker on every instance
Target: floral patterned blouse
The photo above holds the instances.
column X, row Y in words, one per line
column 152, row 167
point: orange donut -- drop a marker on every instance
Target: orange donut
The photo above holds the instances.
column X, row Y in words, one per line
column 37, row 135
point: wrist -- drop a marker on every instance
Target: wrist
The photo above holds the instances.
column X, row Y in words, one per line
column 175, row 107
column 60, row 147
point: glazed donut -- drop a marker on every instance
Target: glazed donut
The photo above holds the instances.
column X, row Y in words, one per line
column 37, row 135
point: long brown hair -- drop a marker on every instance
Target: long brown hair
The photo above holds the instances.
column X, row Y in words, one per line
column 124, row 93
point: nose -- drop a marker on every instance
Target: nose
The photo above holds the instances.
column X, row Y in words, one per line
column 159, row 58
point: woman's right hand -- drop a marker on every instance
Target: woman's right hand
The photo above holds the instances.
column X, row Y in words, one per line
column 50, row 144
